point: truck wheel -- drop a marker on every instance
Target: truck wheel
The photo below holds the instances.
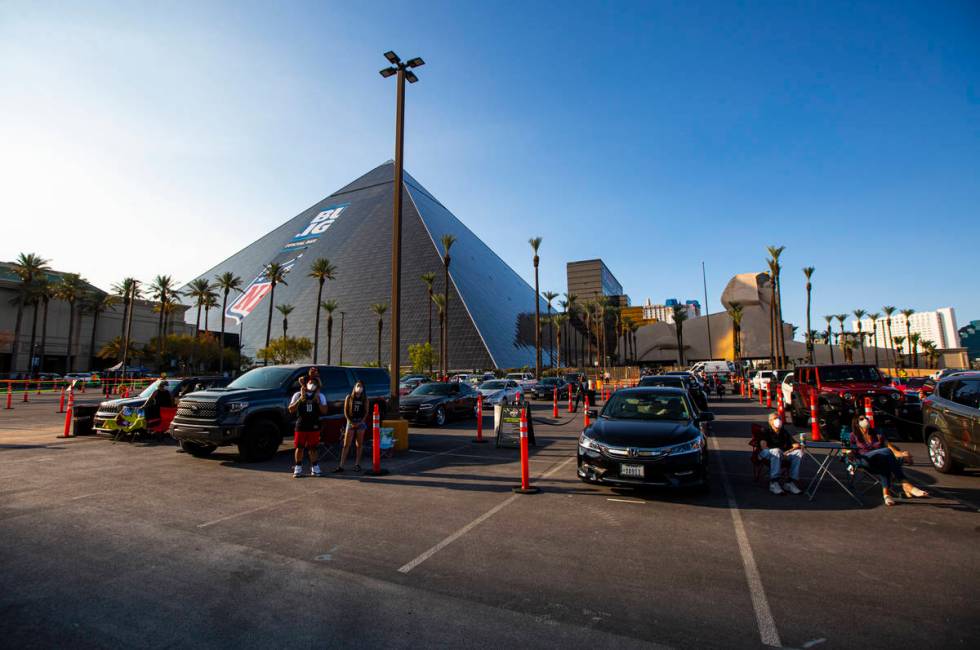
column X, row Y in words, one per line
column 197, row 449
column 260, row 441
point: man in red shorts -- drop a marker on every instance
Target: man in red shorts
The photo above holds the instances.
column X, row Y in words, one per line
column 308, row 404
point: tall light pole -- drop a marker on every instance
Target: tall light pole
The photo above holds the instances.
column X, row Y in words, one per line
column 402, row 71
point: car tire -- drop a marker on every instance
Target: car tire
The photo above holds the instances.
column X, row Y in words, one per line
column 439, row 417
column 260, row 441
column 939, row 454
column 200, row 450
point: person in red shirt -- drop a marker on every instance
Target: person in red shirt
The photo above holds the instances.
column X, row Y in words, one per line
column 308, row 404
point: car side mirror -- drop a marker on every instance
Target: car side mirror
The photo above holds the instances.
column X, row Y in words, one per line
column 593, row 414
column 706, row 416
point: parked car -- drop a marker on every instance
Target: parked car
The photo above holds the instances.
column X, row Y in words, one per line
column 522, row 378
column 252, row 411
column 840, row 390
column 545, row 389
column 951, row 422
column 178, row 387
column 496, row 391
column 406, row 386
column 697, row 396
column 786, row 390
column 646, row 436
column 438, row 402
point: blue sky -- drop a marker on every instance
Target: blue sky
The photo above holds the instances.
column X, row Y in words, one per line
column 654, row 135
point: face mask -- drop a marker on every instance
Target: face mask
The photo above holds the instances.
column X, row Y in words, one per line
column 863, row 423
column 310, row 387
column 358, row 390
column 777, row 423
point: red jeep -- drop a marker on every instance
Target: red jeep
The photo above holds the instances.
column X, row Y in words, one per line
column 840, row 390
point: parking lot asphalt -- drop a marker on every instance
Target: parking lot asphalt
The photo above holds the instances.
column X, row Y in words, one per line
column 119, row 544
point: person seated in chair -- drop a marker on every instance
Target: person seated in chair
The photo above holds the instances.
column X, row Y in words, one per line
column 881, row 458
column 776, row 445
column 161, row 397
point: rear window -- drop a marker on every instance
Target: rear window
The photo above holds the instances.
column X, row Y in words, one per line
column 967, row 393
column 849, row 373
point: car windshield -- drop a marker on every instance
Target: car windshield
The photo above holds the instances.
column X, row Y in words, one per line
column 650, row 406
column 497, row 384
column 171, row 384
column 673, row 382
column 432, row 389
column 272, row 377
column 849, row 373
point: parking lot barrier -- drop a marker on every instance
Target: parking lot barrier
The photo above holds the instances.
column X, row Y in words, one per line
column 814, row 421
column 525, row 487
column 768, row 397
column 554, row 407
column 61, row 404
column 587, row 423
column 376, row 469
column 71, row 404
column 38, row 386
column 780, row 407
column 869, row 412
column 762, row 401
column 10, row 398
column 27, row 391
column 571, row 408
column 479, row 419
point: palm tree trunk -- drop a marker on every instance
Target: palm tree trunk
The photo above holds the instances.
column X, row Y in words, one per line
column 316, row 322
column 129, row 328
column 380, row 325
column 537, row 326
column 71, row 330
column 15, row 346
column 772, row 322
column 221, row 343
column 430, row 327
column 160, row 334
column 809, row 336
column 891, row 343
column 779, row 320
column 91, row 342
column 44, row 334
column 445, row 325
column 441, row 333
column 268, row 324
column 30, row 350
column 122, row 326
column 329, row 336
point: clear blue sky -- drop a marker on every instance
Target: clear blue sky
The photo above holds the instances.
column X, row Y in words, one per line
column 653, row 135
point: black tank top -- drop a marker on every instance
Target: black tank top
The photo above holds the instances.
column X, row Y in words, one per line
column 308, row 413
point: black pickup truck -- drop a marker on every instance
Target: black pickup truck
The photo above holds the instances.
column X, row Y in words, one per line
column 252, row 411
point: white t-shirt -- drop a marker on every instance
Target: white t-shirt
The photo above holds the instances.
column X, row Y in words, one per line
column 296, row 398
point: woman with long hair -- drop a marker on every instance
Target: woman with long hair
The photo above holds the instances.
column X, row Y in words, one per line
column 882, row 459
column 356, row 413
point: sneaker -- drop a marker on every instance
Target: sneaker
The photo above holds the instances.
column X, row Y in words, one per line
column 791, row 488
column 297, row 471
column 774, row 487
column 357, row 468
column 315, row 471
column 338, row 469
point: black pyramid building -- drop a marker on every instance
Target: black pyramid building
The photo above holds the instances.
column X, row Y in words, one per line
column 491, row 308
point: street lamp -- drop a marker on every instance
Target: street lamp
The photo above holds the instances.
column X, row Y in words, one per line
column 402, row 70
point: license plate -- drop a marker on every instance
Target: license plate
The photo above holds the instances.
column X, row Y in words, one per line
column 631, row 471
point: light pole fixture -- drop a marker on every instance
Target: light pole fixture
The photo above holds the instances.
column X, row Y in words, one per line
column 402, row 70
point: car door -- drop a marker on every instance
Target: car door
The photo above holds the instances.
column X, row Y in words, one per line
column 964, row 407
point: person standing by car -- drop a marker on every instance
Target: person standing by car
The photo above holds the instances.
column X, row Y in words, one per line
column 881, row 458
column 775, row 445
column 356, row 412
column 308, row 404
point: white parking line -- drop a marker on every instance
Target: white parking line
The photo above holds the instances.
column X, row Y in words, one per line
column 473, row 524
column 625, row 500
column 763, row 615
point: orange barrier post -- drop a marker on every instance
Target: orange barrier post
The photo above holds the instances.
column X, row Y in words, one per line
column 27, row 391
column 554, row 405
column 814, row 422
column 869, row 412
column 780, row 407
column 38, row 386
column 376, row 469
column 762, row 401
column 61, row 404
column 479, row 419
column 71, row 404
column 768, row 397
column 587, row 423
column 525, row 487
column 571, row 407
column 10, row 397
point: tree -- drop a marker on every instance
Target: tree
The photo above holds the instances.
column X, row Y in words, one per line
column 736, row 311
column 830, row 338
column 559, row 320
column 226, row 283
column 776, row 308
column 113, row 350
column 874, row 332
column 930, row 351
column 535, row 243
column 439, row 301
column 421, row 356
column 898, row 341
column 634, row 326
column 321, row 270
column 808, row 272
column 571, row 308
column 210, row 302
column 379, row 308
column 447, row 243
column 329, row 306
column 841, row 339
column 44, row 292
column 275, row 273
column 95, row 304
column 429, row 278
column 128, row 291
column 914, row 339
column 285, row 310
column 71, row 289
column 28, row 267
column 680, row 315
column 162, row 289
column 859, row 314
column 549, row 297
column 198, row 290
column 890, row 344
column 286, row 350
column 908, row 333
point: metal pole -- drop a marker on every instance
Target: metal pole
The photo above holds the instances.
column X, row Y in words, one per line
column 707, row 312
column 396, row 243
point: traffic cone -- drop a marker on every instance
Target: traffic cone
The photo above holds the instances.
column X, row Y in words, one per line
column 479, row 419
column 376, row 469
column 869, row 412
column 525, row 487
column 814, row 421
column 554, row 407
column 587, row 423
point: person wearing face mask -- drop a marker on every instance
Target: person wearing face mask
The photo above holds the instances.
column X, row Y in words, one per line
column 881, row 458
column 776, row 445
column 308, row 404
column 356, row 412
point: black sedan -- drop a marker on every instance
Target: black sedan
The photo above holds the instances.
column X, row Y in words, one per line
column 678, row 381
column 646, row 436
column 545, row 389
column 438, row 402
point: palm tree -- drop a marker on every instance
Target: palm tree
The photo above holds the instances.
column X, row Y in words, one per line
column 198, row 290
column 859, row 314
column 890, row 344
column 429, row 278
column 830, row 339
column 840, row 321
column 71, row 289
column 588, row 315
column 680, row 315
column 571, row 308
column 162, row 289
column 559, row 320
column 736, row 311
column 97, row 303
column 808, row 272
column 226, row 283
column 633, row 328
column 28, row 267
column 908, row 334
column 774, row 253
column 535, row 243
column 874, row 332
column 549, row 297
column 321, row 270
column 379, row 308
column 627, row 325
column 329, row 306
column 44, row 291
column 930, row 351
column 898, row 341
column 914, row 339
column 773, row 334
column 439, row 301
column 210, row 302
column 285, row 310
column 275, row 273
column 124, row 290
column 447, row 243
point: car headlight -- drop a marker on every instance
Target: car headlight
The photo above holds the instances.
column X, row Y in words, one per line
column 426, row 407
column 694, row 445
column 237, row 407
column 896, row 396
column 847, row 396
column 589, row 444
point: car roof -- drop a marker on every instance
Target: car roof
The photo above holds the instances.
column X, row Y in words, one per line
column 656, row 390
column 969, row 374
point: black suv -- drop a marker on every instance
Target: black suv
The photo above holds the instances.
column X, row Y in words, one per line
column 951, row 422
column 252, row 411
